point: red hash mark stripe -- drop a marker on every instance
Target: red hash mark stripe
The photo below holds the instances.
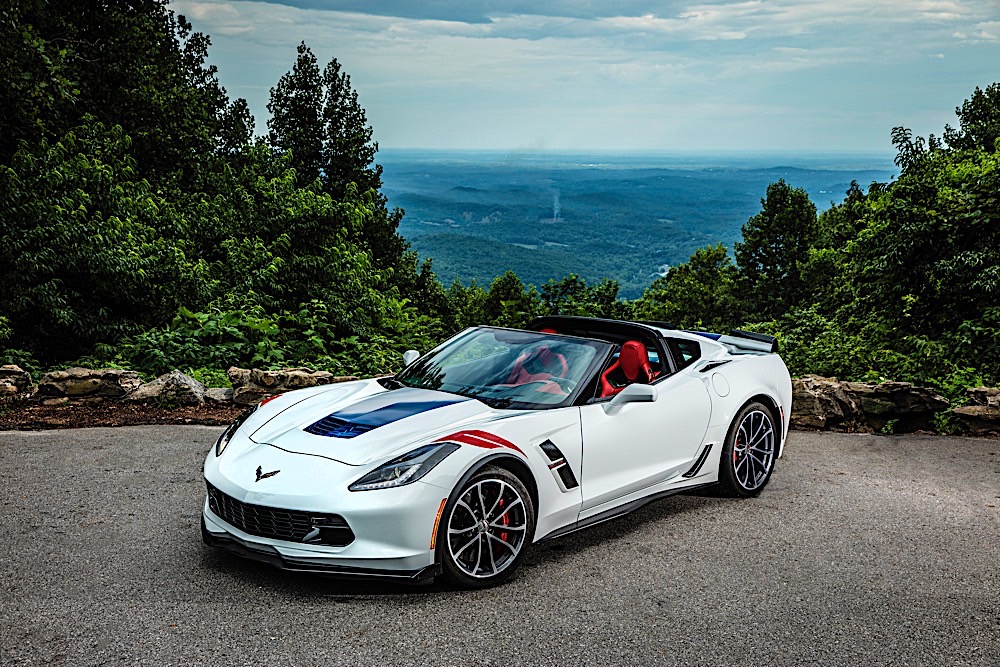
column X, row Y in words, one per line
column 480, row 439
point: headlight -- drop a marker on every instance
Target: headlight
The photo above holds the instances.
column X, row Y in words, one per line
column 227, row 435
column 405, row 469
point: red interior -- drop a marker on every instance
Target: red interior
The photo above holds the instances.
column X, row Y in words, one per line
column 633, row 363
column 544, row 363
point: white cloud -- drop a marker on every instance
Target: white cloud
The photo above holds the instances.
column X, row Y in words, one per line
column 986, row 31
column 565, row 80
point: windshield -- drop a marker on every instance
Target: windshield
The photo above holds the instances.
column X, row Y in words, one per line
column 509, row 369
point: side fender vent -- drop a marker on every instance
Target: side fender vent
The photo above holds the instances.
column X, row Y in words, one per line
column 699, row 462
column 559, row 467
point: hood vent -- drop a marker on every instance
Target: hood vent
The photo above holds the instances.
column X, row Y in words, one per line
column 334, row 427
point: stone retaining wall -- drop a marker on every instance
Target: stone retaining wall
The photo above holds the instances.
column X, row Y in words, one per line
column 828, row 403
column 982, row 413
column 817, row 402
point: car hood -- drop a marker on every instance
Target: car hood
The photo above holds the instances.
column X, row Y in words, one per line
column 356, row 425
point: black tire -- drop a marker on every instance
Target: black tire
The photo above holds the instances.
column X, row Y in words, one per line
column 487, row 526
column 749, row 453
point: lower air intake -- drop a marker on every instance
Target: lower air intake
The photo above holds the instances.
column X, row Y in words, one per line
column 279, row 524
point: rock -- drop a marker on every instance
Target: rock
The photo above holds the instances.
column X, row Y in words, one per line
column 238, row 377
column 252, row 386
column 219, row 395
column 982, row 414
column 250, row 395
column 14, row 382
column 824, row 403
column 819, row 402
column 912, row 407
column 54, row 402
column 980, row 419
column 172, row 387
column 986, row 396
column 87, row 382
column 289, row 378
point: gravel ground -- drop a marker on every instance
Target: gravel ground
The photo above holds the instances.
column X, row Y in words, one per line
column 862, row 550
column 30, row 416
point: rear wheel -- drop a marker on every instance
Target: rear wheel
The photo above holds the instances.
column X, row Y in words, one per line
column 488, row 524
column 749, row 452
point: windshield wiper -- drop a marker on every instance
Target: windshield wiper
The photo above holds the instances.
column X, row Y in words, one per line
column 498, row 403
column 475, row 392
column 390, row 383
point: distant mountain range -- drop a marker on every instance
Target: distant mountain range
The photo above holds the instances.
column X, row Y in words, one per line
column 627, row 217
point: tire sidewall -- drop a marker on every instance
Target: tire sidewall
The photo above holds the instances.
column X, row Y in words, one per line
column 448, row 568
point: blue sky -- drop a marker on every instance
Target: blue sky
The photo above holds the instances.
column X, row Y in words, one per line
column 831, row 75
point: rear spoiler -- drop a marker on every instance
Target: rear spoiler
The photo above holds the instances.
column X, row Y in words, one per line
column 743, row 341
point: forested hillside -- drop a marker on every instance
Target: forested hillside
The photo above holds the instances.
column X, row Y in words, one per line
column 142, row 224
column 624, row 217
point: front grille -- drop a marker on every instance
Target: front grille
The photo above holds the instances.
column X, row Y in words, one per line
column 278, row 524
column 335, row 427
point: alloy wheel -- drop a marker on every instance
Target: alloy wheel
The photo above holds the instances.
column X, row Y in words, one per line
column 753, row 450
column 486, row 529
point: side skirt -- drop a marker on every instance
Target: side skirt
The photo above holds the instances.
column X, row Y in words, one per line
column 621, row 510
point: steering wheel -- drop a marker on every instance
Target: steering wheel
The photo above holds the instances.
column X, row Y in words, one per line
column 565, row 384
column 521, row 387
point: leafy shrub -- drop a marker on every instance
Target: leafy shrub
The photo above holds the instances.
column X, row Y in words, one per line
column 210, row 377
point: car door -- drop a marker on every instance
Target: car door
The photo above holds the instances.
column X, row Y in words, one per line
column 643, row 443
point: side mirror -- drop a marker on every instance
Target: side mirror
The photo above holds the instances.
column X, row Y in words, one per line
column 409, row 357
column 634, row 393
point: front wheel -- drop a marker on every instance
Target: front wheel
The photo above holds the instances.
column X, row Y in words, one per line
column 488, row 524
column 749, row 451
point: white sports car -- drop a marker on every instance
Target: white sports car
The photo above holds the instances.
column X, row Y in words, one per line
column 494, row 440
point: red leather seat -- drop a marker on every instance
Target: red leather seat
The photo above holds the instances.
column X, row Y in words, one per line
column 539, row 364
column 633, row 363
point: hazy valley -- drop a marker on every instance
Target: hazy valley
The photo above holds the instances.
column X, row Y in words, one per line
column 627, row 217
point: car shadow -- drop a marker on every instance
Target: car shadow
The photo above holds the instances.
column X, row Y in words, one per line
column 305, row 584
column 626, row 527
column 312, row 586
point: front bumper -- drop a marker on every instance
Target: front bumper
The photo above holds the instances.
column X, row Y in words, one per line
column 392, row 528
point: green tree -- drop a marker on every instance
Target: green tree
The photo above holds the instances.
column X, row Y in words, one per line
column 824, row 273
column 775, row 248
column 978, row 121
column 136, row 65
column 36, row 79
column 928, row 262
column 296, row 125
column 81, row 257
column 348, row 148
column 697, row 293
column 841, row 223
column 468, row 305
column 572, row 296
column 509, row 303
column 319, row 120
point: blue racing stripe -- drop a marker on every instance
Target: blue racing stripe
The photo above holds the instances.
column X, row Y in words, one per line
column 379, row 410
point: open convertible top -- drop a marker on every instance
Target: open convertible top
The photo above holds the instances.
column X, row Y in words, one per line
column 737, row 341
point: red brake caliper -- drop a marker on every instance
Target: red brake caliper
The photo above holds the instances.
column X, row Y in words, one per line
column 735, row 445
column 505, row 520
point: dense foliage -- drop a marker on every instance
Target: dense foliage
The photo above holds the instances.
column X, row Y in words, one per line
column 901, row 282
column 141, row 224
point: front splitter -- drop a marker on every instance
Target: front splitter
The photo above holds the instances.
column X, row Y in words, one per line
column 263, row 553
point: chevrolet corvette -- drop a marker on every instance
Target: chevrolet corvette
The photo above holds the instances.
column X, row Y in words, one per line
column 492, row 441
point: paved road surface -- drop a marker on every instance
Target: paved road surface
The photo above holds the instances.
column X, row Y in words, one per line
column 863, row 550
